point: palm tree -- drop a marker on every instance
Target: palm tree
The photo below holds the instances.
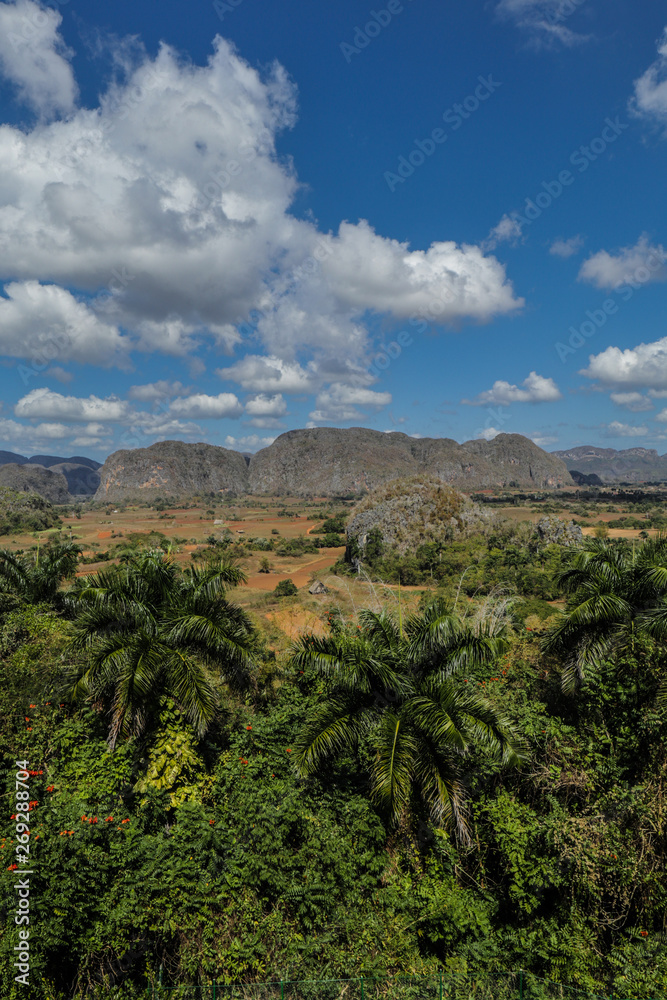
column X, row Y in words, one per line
column 615, row 595
column 149, row 631
column 400, row 687
column 37, row 577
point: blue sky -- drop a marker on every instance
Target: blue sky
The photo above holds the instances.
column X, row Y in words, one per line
column 225, row 220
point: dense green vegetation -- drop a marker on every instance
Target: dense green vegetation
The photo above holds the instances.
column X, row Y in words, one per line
column 25, row 512
column 399, row 794
column 506, row 554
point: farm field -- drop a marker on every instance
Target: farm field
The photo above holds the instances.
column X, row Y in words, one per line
column 188, row 529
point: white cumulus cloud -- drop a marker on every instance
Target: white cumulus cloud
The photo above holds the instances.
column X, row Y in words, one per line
column 225, row 404
column 633, row 401
column 534, row 389
column 641, row 263
column 644, row 366
column 45, row 404
column 617, row 429
column 252, row 442
column 45, row 322
column 650, row 95
column 566, row 248
column 271, row 374
column 342, row 402
column 34, row 58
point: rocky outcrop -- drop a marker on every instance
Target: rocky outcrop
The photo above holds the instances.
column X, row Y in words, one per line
column 52, row 486
column 411, row 512
column 324, row 461
column 555, row 531
column 172, row 469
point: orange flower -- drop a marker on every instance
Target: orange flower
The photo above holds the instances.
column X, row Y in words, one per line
column 211, row 822
column 644, row 933
column 50, row 788
column 109, row 819
column 289, row 750
column 248, row 727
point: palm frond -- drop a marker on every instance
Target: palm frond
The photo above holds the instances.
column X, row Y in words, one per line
column 396, row 752
column 334, row 727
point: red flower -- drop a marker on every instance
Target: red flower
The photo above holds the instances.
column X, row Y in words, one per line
column 50, row 788
column 32, row 706
column 109, row 819
column 644, row 933
column 288, row 750
column 211, row 822
column 248, row 727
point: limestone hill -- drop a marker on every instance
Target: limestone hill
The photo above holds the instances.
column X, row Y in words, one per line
column 172, row 469
column 630, row 465
column 35, row 479
column 411, row 512
column 327, row 461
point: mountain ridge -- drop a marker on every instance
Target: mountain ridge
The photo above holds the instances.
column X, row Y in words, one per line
column 633, row 465
column 326, row 461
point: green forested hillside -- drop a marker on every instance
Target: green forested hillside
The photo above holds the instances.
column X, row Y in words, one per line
column 202, row 847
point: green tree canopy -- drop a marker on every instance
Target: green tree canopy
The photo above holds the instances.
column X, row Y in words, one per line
column 148, row 630
column 402, row 687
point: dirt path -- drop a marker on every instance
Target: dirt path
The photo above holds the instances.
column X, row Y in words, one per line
column 299, row 576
